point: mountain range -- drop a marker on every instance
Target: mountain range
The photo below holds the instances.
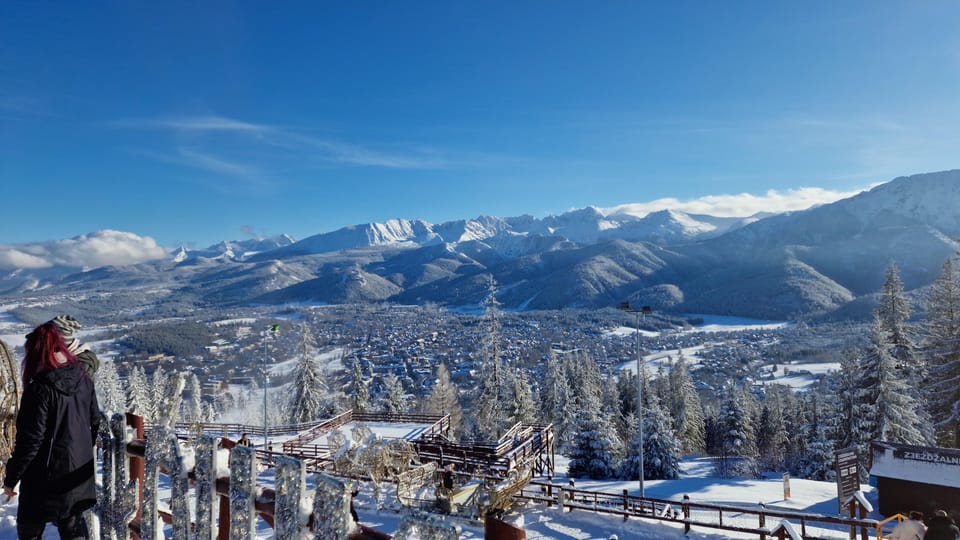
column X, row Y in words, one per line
column 822, row 261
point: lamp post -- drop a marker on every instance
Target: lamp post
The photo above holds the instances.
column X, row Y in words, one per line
column 625, row 306
column 273, row 329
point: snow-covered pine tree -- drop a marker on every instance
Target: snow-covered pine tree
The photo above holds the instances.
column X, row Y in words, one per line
column 138, row 394
column 307, row 400
column 521, row 408
column 817, row 460
column 168, row 408
column 772, row 436
column 393, row 400
column 444, row 398
column 556, row 400
column 739, row 443
column 661, row 448
column 893, row 310
column 193, row 405
column 158, row 386
column 595, row 447
column 358, row 390
column 886, row 404
column 110, row 393
column 685, row 408
column 941, row 351
column 848, row 422
column 489, row 407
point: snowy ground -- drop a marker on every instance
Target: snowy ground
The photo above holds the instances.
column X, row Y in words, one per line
column 542, row 523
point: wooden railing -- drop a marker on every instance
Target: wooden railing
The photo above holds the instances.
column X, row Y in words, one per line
column 751, row 520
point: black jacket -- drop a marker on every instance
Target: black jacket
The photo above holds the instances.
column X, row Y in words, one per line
column 53, row 455
column 941, row 528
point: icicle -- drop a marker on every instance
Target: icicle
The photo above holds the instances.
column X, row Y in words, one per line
column 290, row 483
column 331, row 509
column 117, row 497
column 163, row 452
column 208, row 502
column 243, row 491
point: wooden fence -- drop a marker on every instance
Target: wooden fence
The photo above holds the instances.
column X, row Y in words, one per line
column 227, row 506
column 758, row 521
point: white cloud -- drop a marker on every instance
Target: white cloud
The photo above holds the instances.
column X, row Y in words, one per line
column 92, row 250
column 739, row 205
column 240, row 137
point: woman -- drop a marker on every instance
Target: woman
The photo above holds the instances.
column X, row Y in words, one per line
column 57, row 424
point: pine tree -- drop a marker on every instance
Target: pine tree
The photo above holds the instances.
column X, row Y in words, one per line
column 941, row 350
column 110, row 393
column 393, row 400
column 138, row 394
column 887, row 408
column 489, row 408
column 594, row 448
column 522, row 408
column 685, row 408
column 772, row 436
column 661, row 448
column 556, row 401
column 738, row 436
column 359, row 389
column 817, row 460
column 307, row 401
column 193, row 407
column 848, row 432
column 156, row 390
column 893, row 310
column 444, row 399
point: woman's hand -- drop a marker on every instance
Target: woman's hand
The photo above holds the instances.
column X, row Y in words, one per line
column 9, row 492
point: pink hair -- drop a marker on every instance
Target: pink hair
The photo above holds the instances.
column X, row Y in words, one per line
column 42, row 347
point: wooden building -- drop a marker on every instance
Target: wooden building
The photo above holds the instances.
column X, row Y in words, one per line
column 920, row 478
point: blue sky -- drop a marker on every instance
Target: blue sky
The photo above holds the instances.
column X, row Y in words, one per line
column 194, row 122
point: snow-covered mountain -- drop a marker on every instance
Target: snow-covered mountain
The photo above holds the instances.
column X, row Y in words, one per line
column 236, row 250
column 828, row 259
column 584, row 226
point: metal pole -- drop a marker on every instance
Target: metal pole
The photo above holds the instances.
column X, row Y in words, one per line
column 266, row 379
column 640, row 401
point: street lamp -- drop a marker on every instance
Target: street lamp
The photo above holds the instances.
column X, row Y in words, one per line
column 273, row 329
column 644, row 311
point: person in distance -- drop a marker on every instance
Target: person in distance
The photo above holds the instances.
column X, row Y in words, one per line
column 53, row 460
column 941, row 527
column 911, row 528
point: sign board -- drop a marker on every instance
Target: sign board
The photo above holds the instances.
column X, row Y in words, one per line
column 786, row 486
column 928, row 455
column 848, row 474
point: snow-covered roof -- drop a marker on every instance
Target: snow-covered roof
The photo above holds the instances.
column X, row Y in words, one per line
column 923, row 464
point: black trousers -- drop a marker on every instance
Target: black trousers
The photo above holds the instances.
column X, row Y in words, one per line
column 71, row 528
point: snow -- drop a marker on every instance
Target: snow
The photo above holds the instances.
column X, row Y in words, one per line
column 720, row 323
column 330, row 360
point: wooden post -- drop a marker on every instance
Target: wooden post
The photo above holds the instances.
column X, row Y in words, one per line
column 686, row 514
column 224, row 531
column 625, row 504
column 136, row 463
column 763, row 521
column 863, row 530
column 852, row 511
